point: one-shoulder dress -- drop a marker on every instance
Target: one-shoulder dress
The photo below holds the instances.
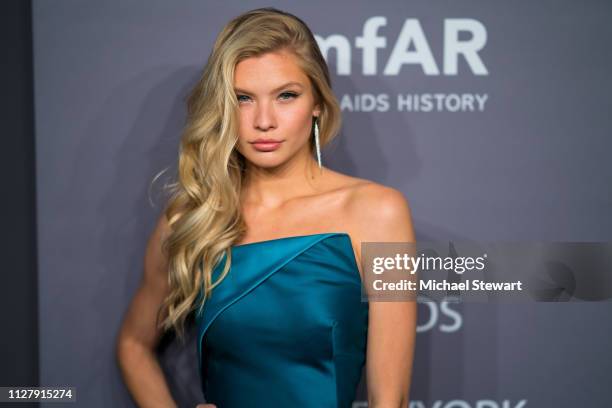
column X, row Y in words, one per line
column 287, row 326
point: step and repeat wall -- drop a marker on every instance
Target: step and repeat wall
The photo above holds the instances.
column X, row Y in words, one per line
column 493, row 118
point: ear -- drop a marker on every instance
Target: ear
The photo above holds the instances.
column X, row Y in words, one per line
column 317, row 111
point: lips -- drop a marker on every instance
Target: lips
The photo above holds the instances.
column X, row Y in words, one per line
column 266, row 145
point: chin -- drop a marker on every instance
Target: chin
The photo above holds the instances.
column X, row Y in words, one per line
column 267, row 163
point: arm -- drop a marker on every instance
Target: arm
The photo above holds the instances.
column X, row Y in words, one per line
column 392, row 324
column 139, row 335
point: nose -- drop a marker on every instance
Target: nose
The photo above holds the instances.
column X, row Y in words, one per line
column 264, row 116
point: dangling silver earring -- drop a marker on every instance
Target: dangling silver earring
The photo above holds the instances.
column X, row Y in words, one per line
column 318, row 146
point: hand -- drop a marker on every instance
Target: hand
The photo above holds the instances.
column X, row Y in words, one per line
column 206, row 406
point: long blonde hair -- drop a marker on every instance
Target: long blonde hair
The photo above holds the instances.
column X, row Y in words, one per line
column 203, row 210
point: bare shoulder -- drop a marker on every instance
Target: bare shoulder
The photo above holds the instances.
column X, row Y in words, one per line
column 385, row 200
column 380, row 213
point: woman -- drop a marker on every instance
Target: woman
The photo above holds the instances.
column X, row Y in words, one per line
column 285, row 325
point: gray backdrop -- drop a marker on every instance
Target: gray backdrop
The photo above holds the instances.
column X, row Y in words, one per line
column 517, row 150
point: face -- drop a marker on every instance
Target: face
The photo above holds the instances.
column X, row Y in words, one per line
column 276, row 105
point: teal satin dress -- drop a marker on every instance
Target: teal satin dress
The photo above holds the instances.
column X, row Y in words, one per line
column 287, row 327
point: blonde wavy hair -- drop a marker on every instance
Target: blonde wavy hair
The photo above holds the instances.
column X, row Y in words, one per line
column 204, row 210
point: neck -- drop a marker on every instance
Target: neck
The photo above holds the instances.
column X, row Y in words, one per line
column 271, row 187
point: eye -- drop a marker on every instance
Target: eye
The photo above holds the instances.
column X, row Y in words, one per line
column 241, row 96
column 289, row 95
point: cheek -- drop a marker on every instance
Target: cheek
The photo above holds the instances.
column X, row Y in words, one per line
column 296, row 122
column 243, row 130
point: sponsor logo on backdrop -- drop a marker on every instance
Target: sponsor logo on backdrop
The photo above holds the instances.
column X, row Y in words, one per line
column 440, row 316
column 406, row 52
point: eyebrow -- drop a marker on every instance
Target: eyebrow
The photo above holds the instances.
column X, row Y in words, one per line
column 274, row 90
